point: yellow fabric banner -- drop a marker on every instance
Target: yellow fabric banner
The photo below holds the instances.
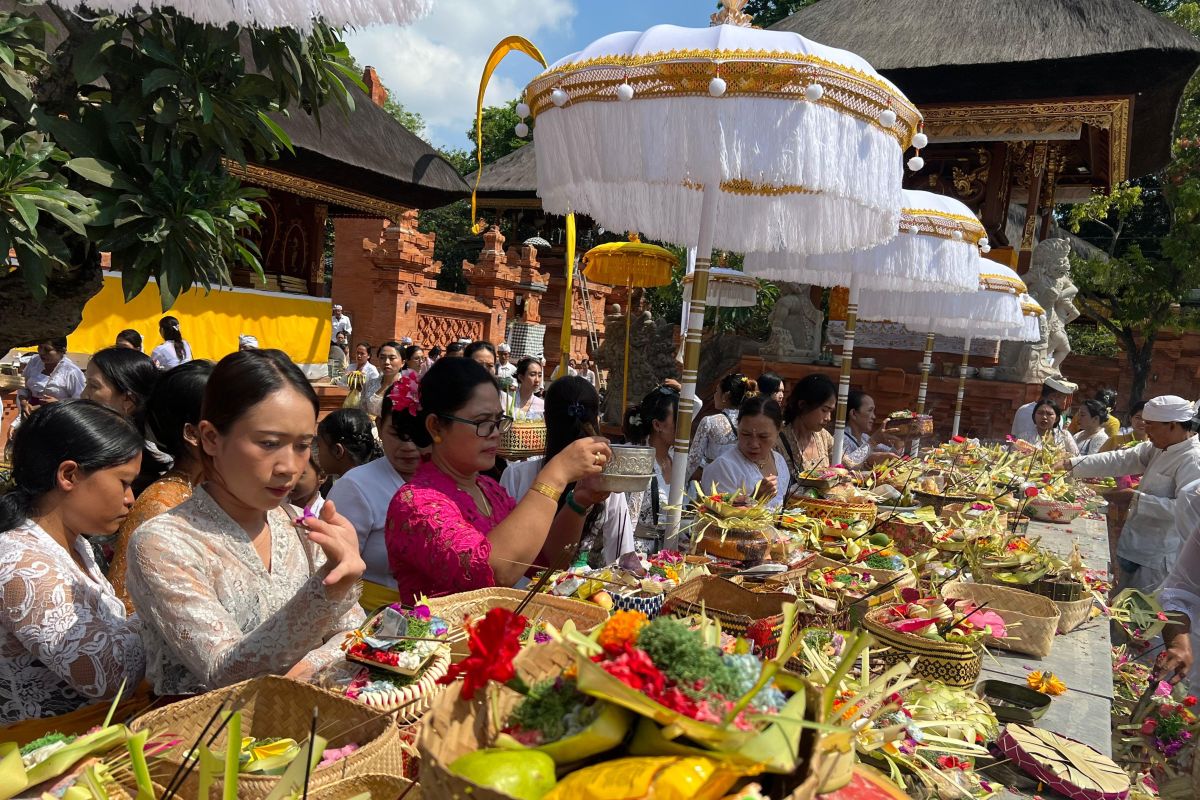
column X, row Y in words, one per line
column 211, row 322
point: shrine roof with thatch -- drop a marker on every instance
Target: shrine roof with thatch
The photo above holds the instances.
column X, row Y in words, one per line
column 974, row 51
column 514, row 175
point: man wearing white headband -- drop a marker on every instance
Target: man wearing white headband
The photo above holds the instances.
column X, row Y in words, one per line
column 1149, row 544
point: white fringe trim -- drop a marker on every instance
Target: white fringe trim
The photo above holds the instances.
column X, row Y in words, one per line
column 908, row 263
column 980, row 313
column 298, row 14
column 629, row 166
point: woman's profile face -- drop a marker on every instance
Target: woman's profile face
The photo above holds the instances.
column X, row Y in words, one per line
column 262, row 455
column 99, row 389
column 820, row 416
column 99, row 501
column 864, row 417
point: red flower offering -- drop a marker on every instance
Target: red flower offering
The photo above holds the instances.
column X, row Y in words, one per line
column 1031, row 492
column 494, row 642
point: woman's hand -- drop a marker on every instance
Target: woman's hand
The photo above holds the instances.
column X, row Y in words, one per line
column 589, row 491
column 887, row 439
column 767, row 487
column 577, row 460
column 1175, row 662
column 334, row 534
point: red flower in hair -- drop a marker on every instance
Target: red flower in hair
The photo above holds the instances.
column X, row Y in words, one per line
column 405, row 394
column 494, row 642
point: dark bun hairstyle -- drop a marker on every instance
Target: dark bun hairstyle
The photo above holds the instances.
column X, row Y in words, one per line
column 130, row 372
column 810, row 392
column 655, row 407
column 445, row 389
column 93, row 436
column 572, row 410
column 351, row 428
column 738, row 387
column 132, row 337
column 244, row 379
column 1108, row 397
column 1097, row 409
column 175, row 403
column 761, row 405
column 769, row 383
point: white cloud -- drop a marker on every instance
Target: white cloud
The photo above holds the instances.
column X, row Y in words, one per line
column 434, row 66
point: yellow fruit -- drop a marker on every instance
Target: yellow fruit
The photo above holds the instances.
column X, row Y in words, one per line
column 521, row 774
column 602, row 599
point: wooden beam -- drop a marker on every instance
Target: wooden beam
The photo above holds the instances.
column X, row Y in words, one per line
column 1036, row 173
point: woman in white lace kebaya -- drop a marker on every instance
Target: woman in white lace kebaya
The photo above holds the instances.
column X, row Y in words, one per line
column 232, row 584
column 718, row 432
column 65, row 639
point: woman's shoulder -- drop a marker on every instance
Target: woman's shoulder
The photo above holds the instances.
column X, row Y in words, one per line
column 823, row 435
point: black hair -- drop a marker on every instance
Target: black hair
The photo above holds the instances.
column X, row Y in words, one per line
column 131, row 336
column 1108, row 397
column 1137, row 408
column 1053, row 405
column 572, row 412
column 244, row 379
column 392, row 343
column 761, row 405
column 737, row 386
column 475, row 347
column 169, row 328
column 445, row 389
column 409, row 351
column 654, row 407
column 435, row 352
column 351, row 428
column 367, row 345
column 525, row 363
column 809, row 393
column 59, row 343
column 769, row 383
column 130, row 372
column 386, row 417
column 1097, row 409
column 454, row 347
column 93, row 436
column 854, row 399
column 175, row 403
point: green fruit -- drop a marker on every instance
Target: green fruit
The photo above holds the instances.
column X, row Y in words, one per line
column 520, row 774
column 880, row 539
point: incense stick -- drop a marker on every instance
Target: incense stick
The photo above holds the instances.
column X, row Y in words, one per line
column 177, row 777
column 312, row 741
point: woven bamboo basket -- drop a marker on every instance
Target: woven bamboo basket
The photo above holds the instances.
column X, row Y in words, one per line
column 525, row 439
column 380, row 787
column 418, row 695
column 821, row 508
column 1074, row 613
column 455, row 727
column 545, row 607
column 952, row 663
column 275, row 706
column 1031, row 620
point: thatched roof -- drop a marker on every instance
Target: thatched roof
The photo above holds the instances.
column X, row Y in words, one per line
column 943, row 51
column 515, row 175
column 369, row 152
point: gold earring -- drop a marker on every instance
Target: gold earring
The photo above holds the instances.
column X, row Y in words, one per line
column 437, row 440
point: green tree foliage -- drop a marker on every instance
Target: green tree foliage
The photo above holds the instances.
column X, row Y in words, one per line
column 499, row 135
column 666, row 302
column 113, row 141
column 1149, row 230
column 767, row 12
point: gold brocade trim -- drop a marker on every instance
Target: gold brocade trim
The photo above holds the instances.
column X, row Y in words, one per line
column 725, row 278
column 747, row 73
column 1001, row 283
column 930, row 222
column 742, row 186
column 315, row 190
column 1032, row 309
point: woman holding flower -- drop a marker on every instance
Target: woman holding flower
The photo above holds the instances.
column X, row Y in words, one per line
column 451, row 529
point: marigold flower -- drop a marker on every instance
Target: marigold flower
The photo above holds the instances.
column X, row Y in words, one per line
column 1046, row 683
column 622, row 628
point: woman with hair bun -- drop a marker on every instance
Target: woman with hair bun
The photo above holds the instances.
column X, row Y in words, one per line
column 717, row 432
column 652, row 423
column 65, row 638
column 234, row 583
column 174, row 350
column 753, row 466
column 451, row 528
column 345, row 440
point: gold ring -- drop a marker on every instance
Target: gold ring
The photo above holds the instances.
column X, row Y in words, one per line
column 599, row 459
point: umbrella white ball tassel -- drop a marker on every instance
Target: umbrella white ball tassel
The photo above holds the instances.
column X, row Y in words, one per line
column 888, row 118
column 521, row 129
column 916, row 163
column 716, row 87
column 984, row 247
column 814, row 92
column 559, row 98
column 624, row 92
column 522, row 110
column 956, row 235
column 920, row 140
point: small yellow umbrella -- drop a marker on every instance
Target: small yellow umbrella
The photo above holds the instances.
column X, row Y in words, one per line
column 629, row 264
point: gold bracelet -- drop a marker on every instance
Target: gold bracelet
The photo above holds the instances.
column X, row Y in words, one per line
column 546, row 490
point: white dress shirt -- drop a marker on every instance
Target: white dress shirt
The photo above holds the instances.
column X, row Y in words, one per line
column 165, row 357
column 342, row 324
column 1152, row 537
column 1022, row 424
column 362, row 496
column 508, row 370
column 732, row 471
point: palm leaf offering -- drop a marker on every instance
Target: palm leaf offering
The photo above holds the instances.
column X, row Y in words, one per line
column 1066, row 766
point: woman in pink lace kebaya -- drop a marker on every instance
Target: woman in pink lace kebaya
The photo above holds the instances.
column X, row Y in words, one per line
column 451, row 529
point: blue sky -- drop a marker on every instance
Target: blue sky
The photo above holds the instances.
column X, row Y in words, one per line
column 434, row 66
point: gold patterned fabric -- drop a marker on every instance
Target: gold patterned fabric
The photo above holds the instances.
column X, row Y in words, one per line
column 164, row 494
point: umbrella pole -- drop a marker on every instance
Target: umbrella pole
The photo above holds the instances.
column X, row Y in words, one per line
column 926, row 368
column 687, row 301
column 691, row 362
column 625, row 379
column 962, row 385
column 564, row 339
column 844, row 381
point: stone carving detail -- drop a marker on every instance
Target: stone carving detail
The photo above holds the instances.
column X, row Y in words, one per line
column 440, row 329
column 1049, row 283
column 651, row 356
column 795, row 325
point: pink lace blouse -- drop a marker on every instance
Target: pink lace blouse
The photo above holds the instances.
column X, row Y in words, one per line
column 436, row 537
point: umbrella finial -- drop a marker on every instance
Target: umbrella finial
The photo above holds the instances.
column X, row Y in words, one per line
column 732, row 14
column 634, row 236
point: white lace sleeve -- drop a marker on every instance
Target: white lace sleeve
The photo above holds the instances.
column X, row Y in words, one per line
column 331, row 651
column 172, row 580
column 711, row 433
column 68, row 622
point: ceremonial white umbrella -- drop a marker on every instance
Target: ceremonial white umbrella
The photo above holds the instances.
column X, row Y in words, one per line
column 936, row 253
column 746, row 139
column 281, row 13
column 994, row 311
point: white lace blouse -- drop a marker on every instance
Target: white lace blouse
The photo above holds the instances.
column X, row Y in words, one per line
column 212, row 613
column 714, row 434
column 65, row 639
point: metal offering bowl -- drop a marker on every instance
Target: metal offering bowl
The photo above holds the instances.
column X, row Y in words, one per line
column 629, row 470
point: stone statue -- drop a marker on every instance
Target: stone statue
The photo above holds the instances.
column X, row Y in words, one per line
column 796, row 325
column 651, row 356
column 1049, row 283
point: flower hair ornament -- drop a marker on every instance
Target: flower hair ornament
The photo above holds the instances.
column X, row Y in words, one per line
column 405, row 394
column 577, row 411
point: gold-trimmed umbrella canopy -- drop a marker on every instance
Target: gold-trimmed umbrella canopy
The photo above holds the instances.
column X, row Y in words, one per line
column 728, row 288
column 631, row 263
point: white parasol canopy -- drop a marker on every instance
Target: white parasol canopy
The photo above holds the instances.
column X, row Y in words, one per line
column 746, row 139
column 281, row 13
column 727, row 288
